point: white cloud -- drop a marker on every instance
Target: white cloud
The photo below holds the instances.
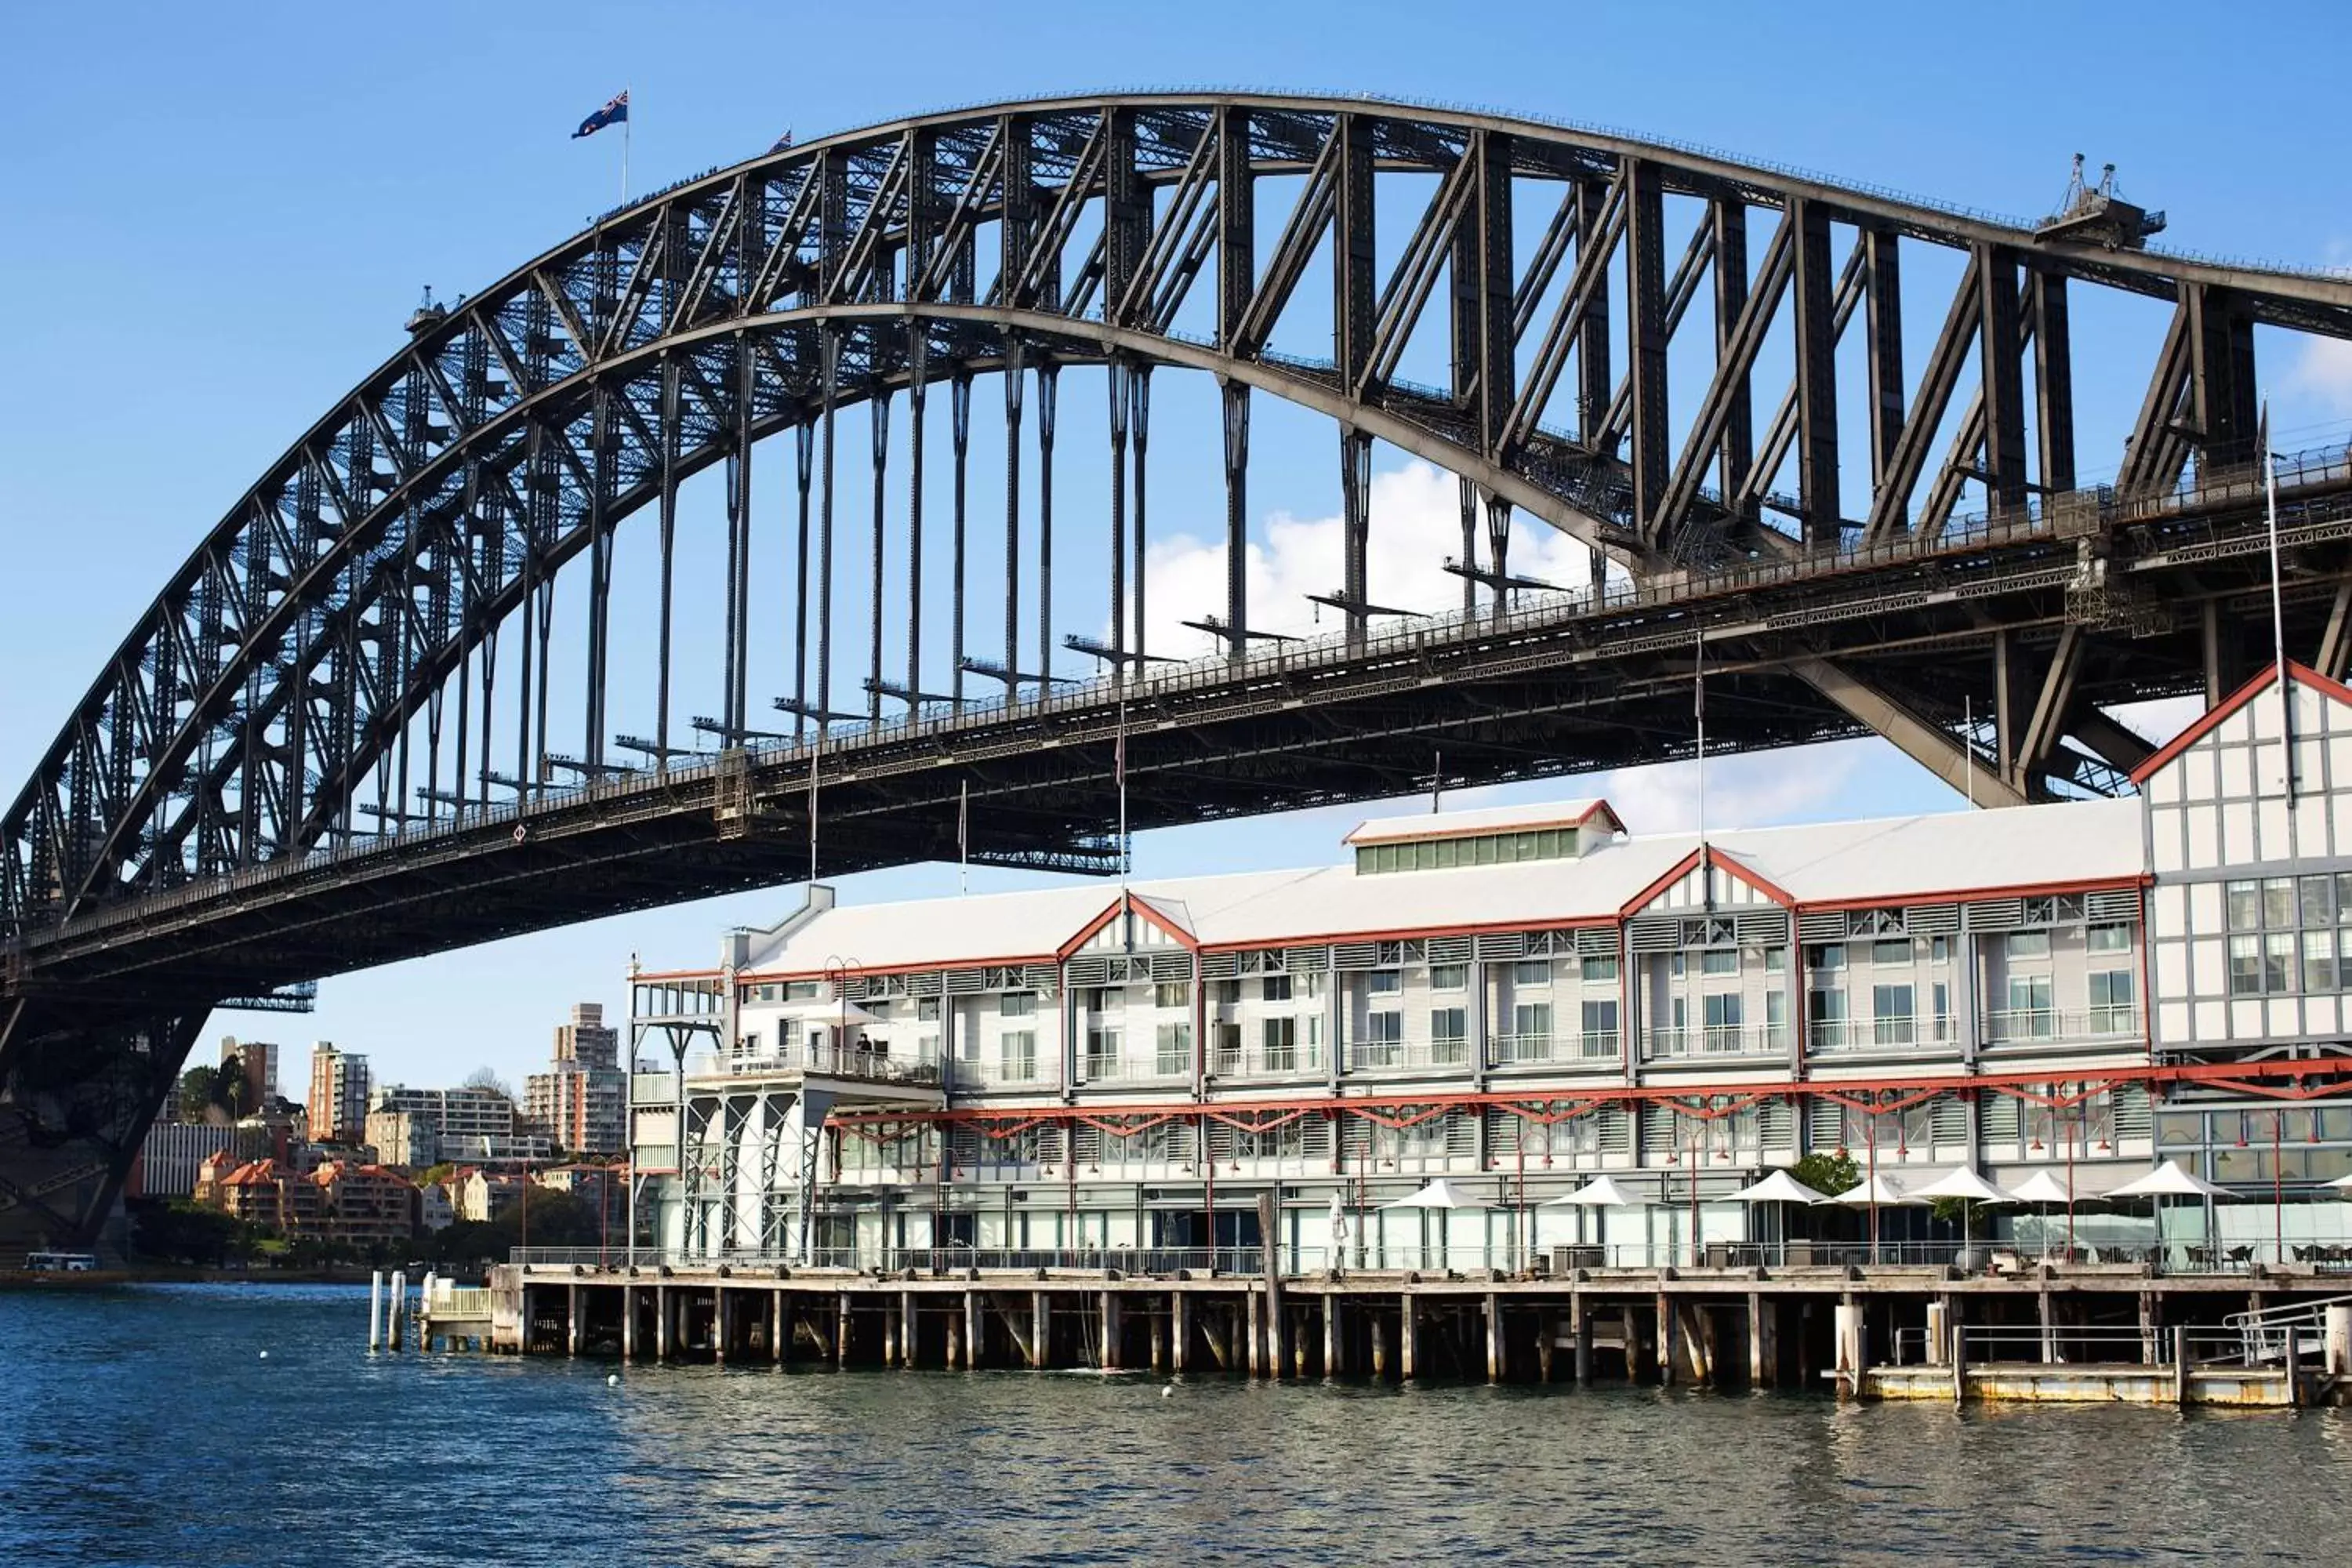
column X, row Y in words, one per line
column 1416, row 527
column 2324, row 374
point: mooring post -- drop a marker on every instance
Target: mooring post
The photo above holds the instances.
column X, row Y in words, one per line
column 628, row 1322
column 1546, row 1342
column 776, row 1326
column 1270, row 1266
column 1331, row 1367
column 718, row 1324
column 1494, row 1338
column 2338, row 1338
column 399, row 1307
column 1760, row 1351
column 1158, row 1340
column 1408, row 1332
column 2180, row 1364
column 971, row 1330
column 841, row 1328
column 1665, row 1339
column 1958, row 1356
column 1378, row 1331
column 1582, row 1317
column 375, row 1310
column 571, row 1320
column 1938, row 1333
column 1180, row 1311
column 1110, row 1326
column 910, row 1339
column 1041, row 1329
column 661, row 1322
column 2150, row 1342
column 2049, row 1327
column 1253, row 1329
column 1848, row 1367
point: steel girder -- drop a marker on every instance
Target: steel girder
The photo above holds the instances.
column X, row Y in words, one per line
column 241, row 719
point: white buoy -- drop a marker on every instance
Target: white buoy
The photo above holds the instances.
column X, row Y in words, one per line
column 375, row 1310
column 1168, row 1391
column 264, row 1355
column 612, row 1380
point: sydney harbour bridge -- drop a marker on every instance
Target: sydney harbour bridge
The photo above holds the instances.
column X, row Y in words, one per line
column 352, row 727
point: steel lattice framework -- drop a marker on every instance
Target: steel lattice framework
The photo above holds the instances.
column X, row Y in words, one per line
column 326, row 662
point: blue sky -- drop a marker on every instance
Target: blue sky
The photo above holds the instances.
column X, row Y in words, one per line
column 218, row 218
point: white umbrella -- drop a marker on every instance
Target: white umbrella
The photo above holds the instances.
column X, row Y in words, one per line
column 1961, row 1182
column 1440, row 1194
column 1779, row 1187
column 1601, row 1192
column 2169, row 1179
column 1879, row 1192
column 2041, row 1187
column 2342, row 1184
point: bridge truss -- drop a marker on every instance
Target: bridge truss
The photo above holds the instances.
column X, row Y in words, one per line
column 338, row 738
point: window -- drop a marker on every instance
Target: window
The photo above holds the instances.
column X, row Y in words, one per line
column 1475, row 849
column 1776, row 1017
column 1826, row 1015
column 2029, row 1016
column 1449, row 976
column 1776, row 960
column 1531, row 972
column 2318, row 960
column 1599, row 1021
column 2278, row 902
column 1280, row 1037
column 1829, row 957
column 1102, row 1053
column 1172, row 1050
column 1384, row 1038
column 799, row 989
column 2289, row 935
column 1313, row 979
column 1226, row 1048
column 1720, row 960
column 1943, row 1001
column 2112, row 992
column 1275, row 988
column 2027, row 944
column 927, row 1010
column 1017, row 1054
column 1890, row 952
column 2109, row 939
column 1225, row 993
column 1891, row 1022
column 1383, row 982
column 2245, row 966
column 2245, row 900
column 1724, row 1015
column 1676, row 965
column 1016, row 1005
column 1600, row 967
column 1939, row 948
column 1172, row 994
column 1531, row 1024
column 1448, row 1035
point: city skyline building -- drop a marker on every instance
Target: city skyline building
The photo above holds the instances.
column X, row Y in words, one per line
column 338, row 1105
column 578, row 1103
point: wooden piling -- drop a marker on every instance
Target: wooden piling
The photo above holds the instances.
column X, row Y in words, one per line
column 1041, row 1329
column 1408, row 1333
column 1494, row 1338
column 1331, row 1365
column 1180, row 1311
column 841, row 1328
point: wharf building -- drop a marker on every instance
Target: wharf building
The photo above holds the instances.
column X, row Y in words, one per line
column 1519, row 1001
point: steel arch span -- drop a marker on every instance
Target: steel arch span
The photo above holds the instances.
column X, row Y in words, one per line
column 336, row 737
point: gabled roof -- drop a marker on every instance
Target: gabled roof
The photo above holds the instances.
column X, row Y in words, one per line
column 2213, row 717
column 1484, row 820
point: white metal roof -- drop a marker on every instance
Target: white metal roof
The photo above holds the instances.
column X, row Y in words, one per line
column 1893, row 860
column 1480, row 819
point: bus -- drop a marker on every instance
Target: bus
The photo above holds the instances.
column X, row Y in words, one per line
column 60, row 1262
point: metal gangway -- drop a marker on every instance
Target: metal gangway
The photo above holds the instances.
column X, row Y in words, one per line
column 2282, row 1335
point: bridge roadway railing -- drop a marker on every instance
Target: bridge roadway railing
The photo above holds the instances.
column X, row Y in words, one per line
column 2080, row 513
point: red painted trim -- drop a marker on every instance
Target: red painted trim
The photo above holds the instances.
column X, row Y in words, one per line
column 867, row 971
column 2023, row 890
column 2279, row 1080
column 1492, row 829
column 2264, row 679
column 1708, row 855
column 1142, row 906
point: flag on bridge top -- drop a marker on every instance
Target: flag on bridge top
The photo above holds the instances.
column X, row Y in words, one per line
column 614, row 112
column 783, row 142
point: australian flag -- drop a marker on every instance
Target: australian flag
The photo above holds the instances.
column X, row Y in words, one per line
column 613, row 113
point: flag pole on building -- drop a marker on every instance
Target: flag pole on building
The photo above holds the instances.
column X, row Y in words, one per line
column 2278, row 613
column 625, row 148
column 1699, row 712
column 964, row 836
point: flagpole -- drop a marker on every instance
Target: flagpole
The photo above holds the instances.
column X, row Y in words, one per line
column 625, row 119
column 2278, row 614
column 964, row 836
column 1698, row 711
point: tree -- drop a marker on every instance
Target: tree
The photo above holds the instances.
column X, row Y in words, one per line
column 179, row 1231
column 231, row 1091
column 487, row 1077
column 198, row 1092
column 1828, row 1175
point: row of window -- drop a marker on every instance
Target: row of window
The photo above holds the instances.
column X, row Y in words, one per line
column 1480, row 849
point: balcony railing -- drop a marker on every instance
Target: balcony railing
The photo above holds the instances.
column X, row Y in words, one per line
column 1375, row 1056
column 1719, row 1040
column 1589, row 1046
column 1152, row 1067
column 827, row 1060
column 1265, row 1061
column 2032, row 1025
column 1894, row 1032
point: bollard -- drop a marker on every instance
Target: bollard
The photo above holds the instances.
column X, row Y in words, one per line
column 375, row 1310
column 2181, row 1363
column 399, row 1307
column 2339, row 1340
column 1849, row 1350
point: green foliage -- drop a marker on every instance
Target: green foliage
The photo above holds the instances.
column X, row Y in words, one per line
column 230, row 1090
column 198, row 1086
column 1828, row 1175
column 556, row 1219
column 179, row 1231
column 1958, row 1210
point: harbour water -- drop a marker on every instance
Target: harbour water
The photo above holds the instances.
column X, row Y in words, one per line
column 145, row 1425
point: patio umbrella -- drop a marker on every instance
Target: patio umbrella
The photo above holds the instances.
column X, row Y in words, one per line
column 1779, row 1187
column 2042, row 1190
column 1440, row 1194
column 1601, row 1193
column 2171, row 1179
column 2342, row 1184
column 1963, row 1183
column 1879, row 1192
